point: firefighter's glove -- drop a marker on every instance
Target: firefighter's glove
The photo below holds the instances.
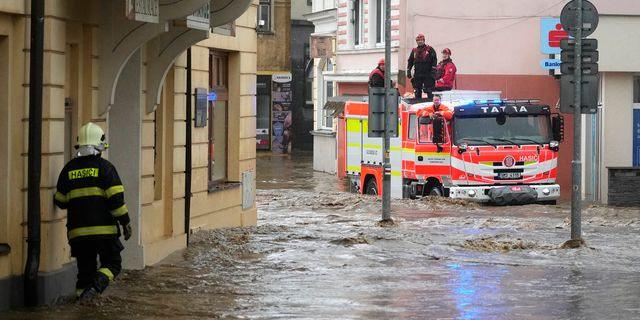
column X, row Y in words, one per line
column 126, row 230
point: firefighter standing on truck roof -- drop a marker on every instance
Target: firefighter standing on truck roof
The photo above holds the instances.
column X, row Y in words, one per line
column 90, row 189
column 376, row 78
column 445, row 72
column 424, row 58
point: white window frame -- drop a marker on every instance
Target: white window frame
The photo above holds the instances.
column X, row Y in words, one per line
column 359, row 22
column 268, row 6
column 381, row 19
column 321, row 113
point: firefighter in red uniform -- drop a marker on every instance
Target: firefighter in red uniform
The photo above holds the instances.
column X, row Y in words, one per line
column 90, row 189
column 445, row 72
column 424, row 59
column 376, row 78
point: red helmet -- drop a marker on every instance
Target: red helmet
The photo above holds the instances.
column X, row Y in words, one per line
column 381, row 61
column 447, row 51
column 420, row 37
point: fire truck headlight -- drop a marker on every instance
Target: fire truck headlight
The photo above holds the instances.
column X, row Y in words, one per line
column 553, row 144
column 546, row 191
column 472, row 193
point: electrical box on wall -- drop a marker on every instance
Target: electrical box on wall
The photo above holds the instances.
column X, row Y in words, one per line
column 201, row 107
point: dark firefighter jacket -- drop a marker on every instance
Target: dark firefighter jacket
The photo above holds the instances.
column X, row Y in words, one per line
column 424, row 59
column 376, row 78
column 90, row 189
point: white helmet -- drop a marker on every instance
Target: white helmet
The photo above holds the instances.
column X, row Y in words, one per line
column 92, row 135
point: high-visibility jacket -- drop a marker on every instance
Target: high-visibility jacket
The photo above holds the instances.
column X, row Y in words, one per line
column 445, row 111
column 90, row 189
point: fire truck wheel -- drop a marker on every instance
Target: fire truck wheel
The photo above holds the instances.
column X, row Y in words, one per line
column 436, row 192
column 372, row 187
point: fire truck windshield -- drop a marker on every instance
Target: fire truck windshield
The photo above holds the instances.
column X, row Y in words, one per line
column 502, row 129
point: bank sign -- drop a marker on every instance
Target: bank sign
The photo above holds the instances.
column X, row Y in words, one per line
column 551, row 33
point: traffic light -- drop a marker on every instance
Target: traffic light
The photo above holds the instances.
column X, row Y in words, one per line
column 589, row 71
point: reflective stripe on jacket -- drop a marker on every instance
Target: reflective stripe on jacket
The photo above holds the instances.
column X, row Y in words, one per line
column 90, row 189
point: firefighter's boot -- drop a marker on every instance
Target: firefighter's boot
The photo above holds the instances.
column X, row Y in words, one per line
column 88, row 294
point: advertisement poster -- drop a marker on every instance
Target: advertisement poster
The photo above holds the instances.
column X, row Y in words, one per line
column 281, row 114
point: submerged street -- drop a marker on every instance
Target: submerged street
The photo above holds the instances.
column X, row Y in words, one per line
column 318, row 252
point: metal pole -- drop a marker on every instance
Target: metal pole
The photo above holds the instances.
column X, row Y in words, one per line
column 35, row 152
column 576, row 164
column 187, row 156
column 386, row 146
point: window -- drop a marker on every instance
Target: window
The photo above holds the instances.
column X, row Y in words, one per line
column 328, row 114
column 380, row 20
column 426, row 133
column 218, row 118
column 411, row 130
column 357, row 21
column 328, row 92
column 264, row 16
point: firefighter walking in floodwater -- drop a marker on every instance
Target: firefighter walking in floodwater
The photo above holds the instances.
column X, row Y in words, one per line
column 90, row 189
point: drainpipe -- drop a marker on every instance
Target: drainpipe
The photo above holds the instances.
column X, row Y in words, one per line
column 35, row 153
column 187, row 157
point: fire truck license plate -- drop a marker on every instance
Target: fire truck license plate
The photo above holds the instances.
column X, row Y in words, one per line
column 510, row 175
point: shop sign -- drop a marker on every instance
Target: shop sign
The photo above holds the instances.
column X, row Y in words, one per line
column 321, row 46
column 200, row 19
column 143, row 10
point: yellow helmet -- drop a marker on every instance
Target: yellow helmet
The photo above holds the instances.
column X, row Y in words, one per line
column 91, row 134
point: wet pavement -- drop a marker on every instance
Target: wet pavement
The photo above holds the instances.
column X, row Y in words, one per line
column 319, row 252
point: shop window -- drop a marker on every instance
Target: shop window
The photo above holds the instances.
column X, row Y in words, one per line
column 218, row 118
column 264, row 16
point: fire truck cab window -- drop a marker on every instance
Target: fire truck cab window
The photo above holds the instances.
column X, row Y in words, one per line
column 425, row 133
column 413, row 122
column 519, row 129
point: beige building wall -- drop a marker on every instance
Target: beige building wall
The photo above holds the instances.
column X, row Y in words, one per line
column 71, row 66
column 274, row 48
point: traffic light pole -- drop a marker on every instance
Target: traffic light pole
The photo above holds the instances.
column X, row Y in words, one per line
column 386, row 146
column 576, row 164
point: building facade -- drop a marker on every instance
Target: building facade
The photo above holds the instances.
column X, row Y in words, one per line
column 496, row 46
column 325, row 20
column 284, row 116
column 122, row 65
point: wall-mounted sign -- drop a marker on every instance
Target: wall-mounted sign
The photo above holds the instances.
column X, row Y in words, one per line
column 143, row 10
column 550, row 63
column 281, row 113
column 551, row 32
column 281, row 77
column 321, row 47
column 201, row 107
column 200, row 19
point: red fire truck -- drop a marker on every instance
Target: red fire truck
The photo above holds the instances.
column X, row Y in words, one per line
column 492, row 150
